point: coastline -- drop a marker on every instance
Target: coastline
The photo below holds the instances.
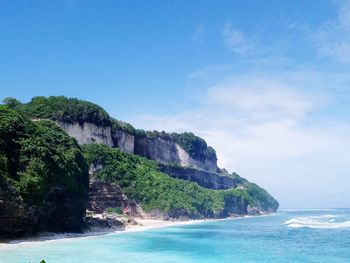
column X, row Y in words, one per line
column 143, row 225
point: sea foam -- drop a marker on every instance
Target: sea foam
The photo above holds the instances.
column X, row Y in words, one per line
column 321, row 222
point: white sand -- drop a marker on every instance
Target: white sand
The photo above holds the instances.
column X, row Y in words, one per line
column 146, row 224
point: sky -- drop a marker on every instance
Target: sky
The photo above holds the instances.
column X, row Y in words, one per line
column 266, row 83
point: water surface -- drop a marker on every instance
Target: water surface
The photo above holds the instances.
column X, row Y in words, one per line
column 287, row 236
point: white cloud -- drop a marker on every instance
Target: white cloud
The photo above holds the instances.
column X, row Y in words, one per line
column 333, row 37
column 199, row 34
column 260, row 98
column 260, row 126
column 236, row 40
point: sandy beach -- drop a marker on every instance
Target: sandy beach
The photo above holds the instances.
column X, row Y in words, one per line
column 142, row 225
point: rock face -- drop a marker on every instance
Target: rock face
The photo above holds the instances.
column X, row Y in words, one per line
column 124, row 141
column 234, row 206
column 186, row 160
column 169, row 152
column 203, row 178
column 103, row 196
column 164, row 151
column 59, row 212
column 15, row 217
column 87, row 132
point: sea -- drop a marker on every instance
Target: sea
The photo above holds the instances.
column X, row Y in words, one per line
column 311, row 235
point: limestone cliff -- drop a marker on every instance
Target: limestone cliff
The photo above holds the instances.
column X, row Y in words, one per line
column 162, row 150
column 87, row 132
column 124, row 141
column 182, row 156
column 169, row 152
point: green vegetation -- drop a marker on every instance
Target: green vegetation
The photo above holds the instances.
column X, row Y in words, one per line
column 141, row 181
column 62, row 109
column 114, row 210
column 260, row 197
column 238, row 179
column 194, row 145
column 74, row 110
column 123, row 126
column 34, row 156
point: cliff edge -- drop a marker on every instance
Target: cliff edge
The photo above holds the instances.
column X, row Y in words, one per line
column 44, row 174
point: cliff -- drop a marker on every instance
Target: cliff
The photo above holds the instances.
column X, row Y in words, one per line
column 186, row 193
column 164, row 150
column 205, row 179
column 166, row 174
column 104, row 195
column 87, row 132
column 89, row 123
column 15, row 218
column 43, row 177
column 167, row 151
column 59, row 212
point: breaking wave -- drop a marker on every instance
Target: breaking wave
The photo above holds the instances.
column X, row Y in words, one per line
column 321, row 222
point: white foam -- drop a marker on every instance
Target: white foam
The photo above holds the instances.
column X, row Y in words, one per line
column 308, row 209
column 321, row 222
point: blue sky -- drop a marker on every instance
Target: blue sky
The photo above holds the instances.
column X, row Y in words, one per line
column 266, row 83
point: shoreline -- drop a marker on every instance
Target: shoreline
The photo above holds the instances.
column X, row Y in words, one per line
column 143, row 225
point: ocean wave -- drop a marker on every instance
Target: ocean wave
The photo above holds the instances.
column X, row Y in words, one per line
column 320, row 222
column 309, row 209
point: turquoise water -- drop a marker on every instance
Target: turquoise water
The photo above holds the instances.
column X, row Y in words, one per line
column 287, row 236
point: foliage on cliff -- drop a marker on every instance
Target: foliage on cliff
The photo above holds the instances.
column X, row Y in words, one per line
column 74, row 110
column 35, row 156
column 141, row 180
column 123, row 126
column 62, row 109
column 260, row 197
column 194, row 145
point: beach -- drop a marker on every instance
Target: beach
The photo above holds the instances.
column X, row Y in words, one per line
column 143, row 224
column 286, row 236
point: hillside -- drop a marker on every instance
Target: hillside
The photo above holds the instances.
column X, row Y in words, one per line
column 43, row 177
column 168, row 175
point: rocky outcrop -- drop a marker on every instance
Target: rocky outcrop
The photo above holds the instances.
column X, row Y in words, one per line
column 15, row 217
column 234, row 206
column 103, row 196
column 59, row 212
column 96, row 224
column 170, row 153
column 88, row 132
column 187, row 161
column 124, row 141
column 165, row 151
column 203, row 178
column 157, row 149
